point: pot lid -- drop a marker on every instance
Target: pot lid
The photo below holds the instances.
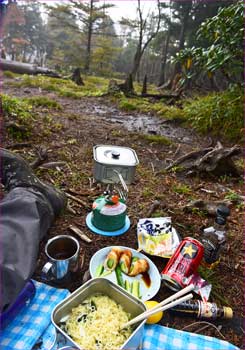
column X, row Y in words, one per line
column 108, row 154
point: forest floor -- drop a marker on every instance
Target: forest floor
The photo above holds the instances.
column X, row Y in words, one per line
column 69, row 135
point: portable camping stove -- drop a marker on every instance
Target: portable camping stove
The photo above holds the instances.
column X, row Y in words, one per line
column 115, row 167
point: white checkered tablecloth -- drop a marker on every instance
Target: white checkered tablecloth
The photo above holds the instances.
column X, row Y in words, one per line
column 32, row 329
column 24, row 331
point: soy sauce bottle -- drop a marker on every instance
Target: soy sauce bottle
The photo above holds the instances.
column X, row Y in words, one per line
column 201, row 309
column 214, row 238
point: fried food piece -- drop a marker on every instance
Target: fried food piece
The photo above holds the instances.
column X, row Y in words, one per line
column 125, row 261
column 112, row 259
column 139, row 266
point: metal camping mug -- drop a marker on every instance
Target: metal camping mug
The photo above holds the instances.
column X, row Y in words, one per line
column 63, row 254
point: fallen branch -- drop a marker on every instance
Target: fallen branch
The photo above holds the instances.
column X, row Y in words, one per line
column 215, row 160
column 80, row 234
column 186, row 157
column 53, row 165
column 70, row 209
column 42, row 156
column 76, row 200
column 159, row 97
column 26, row 68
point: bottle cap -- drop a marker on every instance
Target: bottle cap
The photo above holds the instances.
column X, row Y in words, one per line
column 223, row 211
column 228, row 312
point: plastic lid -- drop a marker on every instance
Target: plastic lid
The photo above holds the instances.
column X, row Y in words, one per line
column 115, row 155
column 228, row 312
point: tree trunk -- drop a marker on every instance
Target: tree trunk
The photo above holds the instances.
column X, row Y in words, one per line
column 177, row 68
column 90, row 32
column 164, row 58
column 144, row 88
column 137, row 58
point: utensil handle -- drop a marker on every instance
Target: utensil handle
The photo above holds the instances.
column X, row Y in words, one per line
column 175, row 296
column 148, row 313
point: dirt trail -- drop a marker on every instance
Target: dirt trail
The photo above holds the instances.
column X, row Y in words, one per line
column 101, row 111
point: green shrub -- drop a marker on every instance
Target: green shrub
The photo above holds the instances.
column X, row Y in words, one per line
column 15, row 107
column 219, row 113
column 19, row 112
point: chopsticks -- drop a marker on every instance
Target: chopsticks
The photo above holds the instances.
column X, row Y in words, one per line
column 164, row 305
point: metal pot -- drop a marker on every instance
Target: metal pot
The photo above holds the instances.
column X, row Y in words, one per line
column 111, row 160
column 101, row 285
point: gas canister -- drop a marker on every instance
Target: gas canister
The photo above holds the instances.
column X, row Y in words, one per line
column 183, row 263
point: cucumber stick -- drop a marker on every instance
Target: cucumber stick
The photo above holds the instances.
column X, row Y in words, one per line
column 105, row 273
column 135, row 289
column 119, row 276
column 128, row 286
column 99, row 270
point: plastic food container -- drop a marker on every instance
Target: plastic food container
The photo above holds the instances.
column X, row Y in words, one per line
column 106, row 287
column 108, row 160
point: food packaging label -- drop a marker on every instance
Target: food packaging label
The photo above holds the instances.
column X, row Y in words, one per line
column 157, row 236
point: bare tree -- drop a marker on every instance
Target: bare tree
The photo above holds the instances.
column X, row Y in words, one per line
column 147, row 28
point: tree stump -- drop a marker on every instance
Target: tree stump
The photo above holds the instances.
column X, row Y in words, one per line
column 113, row 87
column 76, row 77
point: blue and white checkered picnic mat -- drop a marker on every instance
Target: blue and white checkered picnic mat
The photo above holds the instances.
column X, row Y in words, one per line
column 157, row 337
column 24, row 331
column 33, row 326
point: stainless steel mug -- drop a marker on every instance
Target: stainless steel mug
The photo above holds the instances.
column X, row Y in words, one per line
column 63, row 254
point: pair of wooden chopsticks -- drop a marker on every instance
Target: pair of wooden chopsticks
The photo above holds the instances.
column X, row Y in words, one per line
column 164, row 305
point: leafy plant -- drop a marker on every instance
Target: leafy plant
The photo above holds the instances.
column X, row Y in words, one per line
column 181, row 189
column 233, row 197
column 224, row 33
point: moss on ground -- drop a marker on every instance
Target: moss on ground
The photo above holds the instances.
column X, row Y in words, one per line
column 158, row 139
column 43, row 101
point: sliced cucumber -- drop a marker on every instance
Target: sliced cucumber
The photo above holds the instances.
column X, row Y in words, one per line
column 128, row 286
column 99, row 270
column 106, row 273
column 135, row 288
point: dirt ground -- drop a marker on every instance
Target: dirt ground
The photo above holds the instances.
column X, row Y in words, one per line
column 70, row 135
